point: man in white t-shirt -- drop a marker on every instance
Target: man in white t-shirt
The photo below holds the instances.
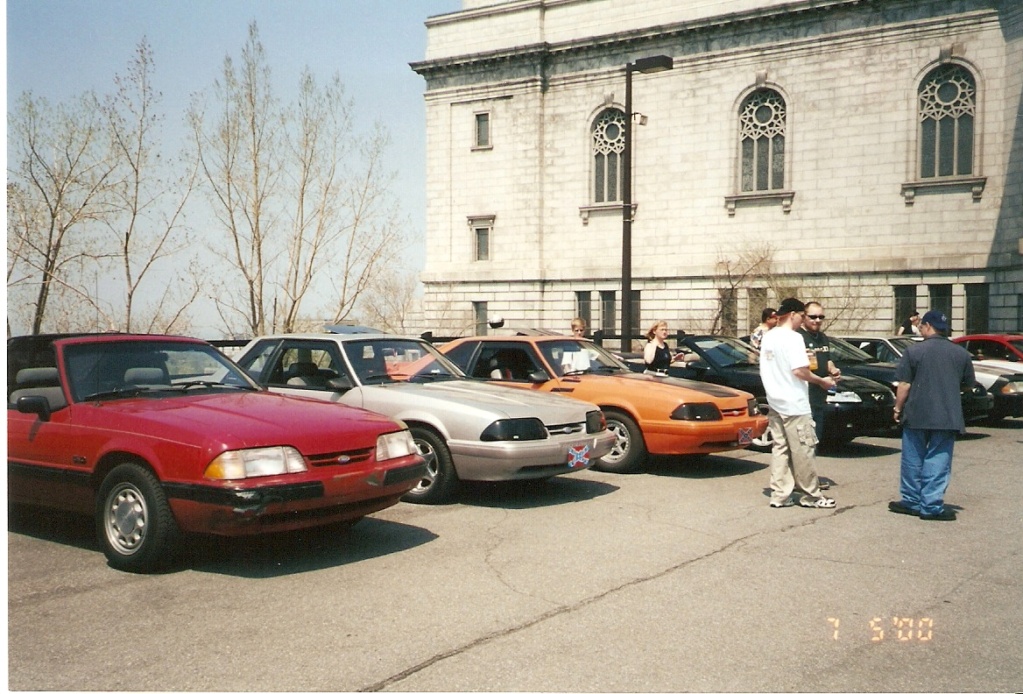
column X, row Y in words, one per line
column 785, row 371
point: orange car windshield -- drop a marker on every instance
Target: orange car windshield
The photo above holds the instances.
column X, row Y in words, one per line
column 579, row 356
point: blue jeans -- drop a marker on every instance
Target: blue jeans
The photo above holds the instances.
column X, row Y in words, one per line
column 926, row 469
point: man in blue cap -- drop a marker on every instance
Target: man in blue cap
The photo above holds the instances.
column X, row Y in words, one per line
column 929, row 407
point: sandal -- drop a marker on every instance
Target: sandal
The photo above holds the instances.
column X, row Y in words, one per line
column 817, row 502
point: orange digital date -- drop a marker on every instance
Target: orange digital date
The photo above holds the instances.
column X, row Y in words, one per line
column 902, row 629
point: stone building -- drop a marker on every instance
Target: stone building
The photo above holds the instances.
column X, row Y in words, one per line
column 866, row 153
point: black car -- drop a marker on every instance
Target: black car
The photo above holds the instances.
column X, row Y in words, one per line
column 858, row 407
column 977, row 402
column 1005, row 386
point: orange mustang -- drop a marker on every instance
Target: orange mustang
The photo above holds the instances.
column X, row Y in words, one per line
column 649, row 413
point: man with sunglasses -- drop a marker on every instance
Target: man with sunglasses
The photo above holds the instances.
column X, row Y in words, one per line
column 785, row 371
column 818, row 349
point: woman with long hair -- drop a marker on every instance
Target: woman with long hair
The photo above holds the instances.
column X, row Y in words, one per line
column 657, row 355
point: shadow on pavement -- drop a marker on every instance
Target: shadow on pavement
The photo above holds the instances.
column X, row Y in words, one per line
column 53, row 526
column 861, row 449
column 703, row 467
column 260, row 556
column 533, row 493
column 298, row 551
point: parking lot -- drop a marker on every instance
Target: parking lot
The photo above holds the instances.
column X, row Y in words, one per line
column 681, row 578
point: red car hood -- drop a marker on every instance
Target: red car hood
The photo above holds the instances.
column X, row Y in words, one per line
column 220, row 422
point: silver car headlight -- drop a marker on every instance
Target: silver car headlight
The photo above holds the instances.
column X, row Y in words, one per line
column 844, row 396
column 397, row 444
column 525, row 429
column 1012, row 388
column 255, row 462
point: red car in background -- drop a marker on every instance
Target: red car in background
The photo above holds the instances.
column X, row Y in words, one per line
column 155, row 436
column 993, row 346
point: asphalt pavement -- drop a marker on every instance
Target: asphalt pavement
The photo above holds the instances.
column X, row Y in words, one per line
column 678, row 579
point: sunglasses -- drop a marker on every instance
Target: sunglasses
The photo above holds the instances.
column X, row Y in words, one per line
column 819, row 316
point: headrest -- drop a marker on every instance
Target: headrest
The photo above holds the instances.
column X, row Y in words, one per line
column 145, row 375
column 38, row 377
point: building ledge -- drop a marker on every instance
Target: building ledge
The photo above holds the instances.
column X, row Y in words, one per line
column 604, row 209
column 760, row 198
column 950, row 184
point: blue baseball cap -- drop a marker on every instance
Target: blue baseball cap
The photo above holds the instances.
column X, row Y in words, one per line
column 936, row 319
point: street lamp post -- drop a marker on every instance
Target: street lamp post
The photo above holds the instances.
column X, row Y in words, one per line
column 654, row 63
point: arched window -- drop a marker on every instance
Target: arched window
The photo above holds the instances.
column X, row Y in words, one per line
column 762, row 141
column 608, row 144
column 947, row 110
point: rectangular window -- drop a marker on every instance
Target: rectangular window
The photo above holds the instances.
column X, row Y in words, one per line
column 584, row 308
column 928, row 157
column 608, row 312
column 482, row 227
column 976, row 309
column 757, row 298
column 964, row 157
column 905, row 304
column 635, row 313
column 729, row 311
column 479, row 315
column 778, row 162
column 482, row 136
column 482, row 243
column 941, row 298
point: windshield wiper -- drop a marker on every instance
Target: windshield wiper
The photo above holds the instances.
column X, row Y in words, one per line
column 431, row 377
column 185, row 385
column 377, row 378
column 114, row 394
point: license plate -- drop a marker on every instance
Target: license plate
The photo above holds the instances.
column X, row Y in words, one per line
column 578, row 456
column 745, row 436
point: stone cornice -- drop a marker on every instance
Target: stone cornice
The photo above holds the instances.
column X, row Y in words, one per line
column 804, row 20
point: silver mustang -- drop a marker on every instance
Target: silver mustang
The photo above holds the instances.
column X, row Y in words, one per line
column 465, row 429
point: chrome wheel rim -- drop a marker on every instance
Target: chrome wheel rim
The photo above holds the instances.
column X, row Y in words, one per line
column 127, row 519
column 432, row 466
column 621, row 445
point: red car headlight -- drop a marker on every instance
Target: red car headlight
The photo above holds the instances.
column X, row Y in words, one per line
column 255, row 462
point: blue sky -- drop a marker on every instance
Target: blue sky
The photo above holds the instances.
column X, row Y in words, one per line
column 60, row 48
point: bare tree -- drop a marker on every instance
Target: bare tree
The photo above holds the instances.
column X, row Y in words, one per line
column 146, row 223
column 238, row 153
column 390, row 302
column 849, row 303
column 302, row 198
column 751, row 267
column 61, row 177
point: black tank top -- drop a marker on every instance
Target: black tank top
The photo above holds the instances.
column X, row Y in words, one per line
column 662, row 359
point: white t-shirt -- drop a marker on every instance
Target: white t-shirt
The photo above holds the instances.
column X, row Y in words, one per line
column 575, row 360
column 781, row 351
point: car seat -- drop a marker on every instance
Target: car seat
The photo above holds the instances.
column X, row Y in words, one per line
column 305, row 374
column 42, row 381
column 498, row 372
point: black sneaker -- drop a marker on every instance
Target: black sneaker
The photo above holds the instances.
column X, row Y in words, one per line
column 946, row 514
column 899, row 507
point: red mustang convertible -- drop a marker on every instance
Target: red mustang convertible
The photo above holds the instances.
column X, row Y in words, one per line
column 156, row 435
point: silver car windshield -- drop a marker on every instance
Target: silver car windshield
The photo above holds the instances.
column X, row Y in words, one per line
column 390, row 360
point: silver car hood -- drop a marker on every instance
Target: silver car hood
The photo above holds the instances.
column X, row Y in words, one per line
column 504, row 402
